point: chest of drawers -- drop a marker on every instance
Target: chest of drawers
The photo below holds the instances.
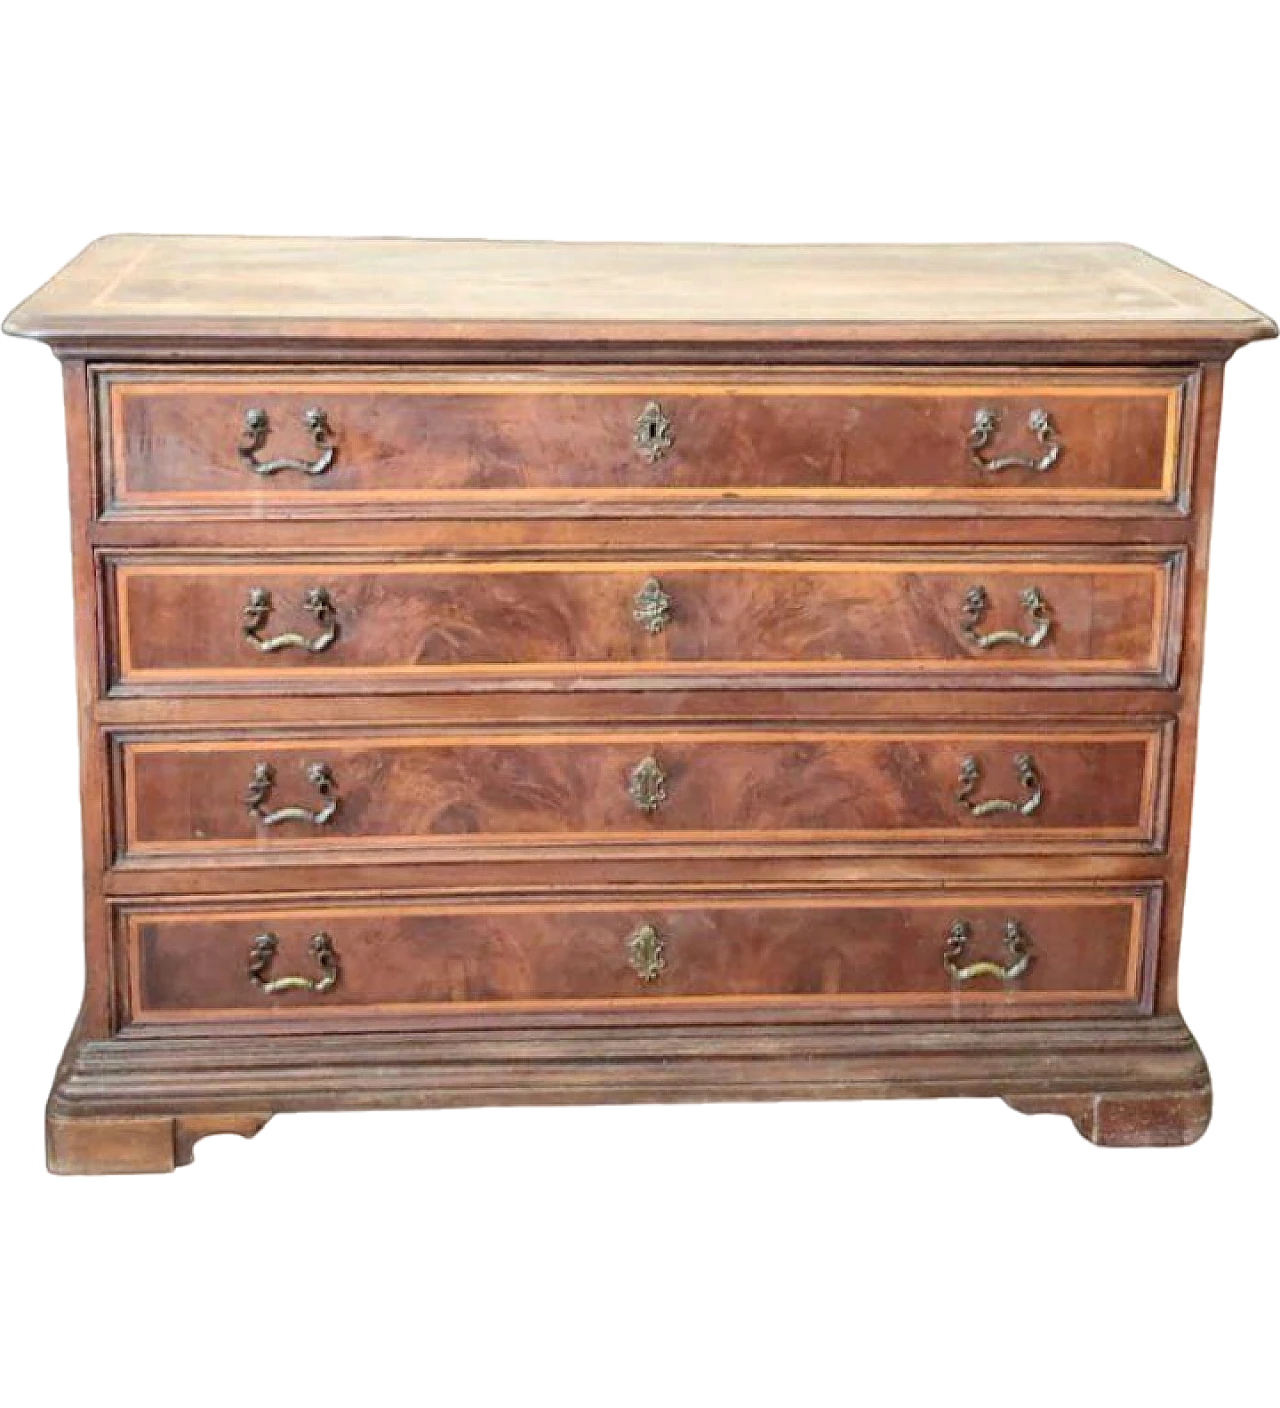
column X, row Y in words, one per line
column 535, row 673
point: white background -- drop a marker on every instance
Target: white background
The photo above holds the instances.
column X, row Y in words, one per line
column 898, row 1253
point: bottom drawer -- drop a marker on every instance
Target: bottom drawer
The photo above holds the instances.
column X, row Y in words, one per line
column 900, row 954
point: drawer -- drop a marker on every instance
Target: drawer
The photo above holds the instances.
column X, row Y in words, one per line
column 900, row 954
column 273, row 443
column 318, row 625
column 340, row 796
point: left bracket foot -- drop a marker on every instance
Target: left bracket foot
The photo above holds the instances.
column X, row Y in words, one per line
column 142, row 1144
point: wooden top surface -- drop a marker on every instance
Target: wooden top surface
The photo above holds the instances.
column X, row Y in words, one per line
column 224, row 288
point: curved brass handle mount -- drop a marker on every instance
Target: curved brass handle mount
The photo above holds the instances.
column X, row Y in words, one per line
column 647, row 785
column 652, row 433
column 256, row 428
column 651, row 607
column 986, row 422
column 645, row 953
column 1016, row 944
column 317, row 603
column 976, row 604
column 1028, row 776
column 263, row 950
column 264, row 780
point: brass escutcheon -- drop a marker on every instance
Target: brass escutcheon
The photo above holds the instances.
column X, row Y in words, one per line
column 651, row 607
column 652, row 434
column 645, row 952
column 647, row 785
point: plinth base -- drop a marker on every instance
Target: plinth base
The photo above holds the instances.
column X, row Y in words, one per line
column 139, row 1102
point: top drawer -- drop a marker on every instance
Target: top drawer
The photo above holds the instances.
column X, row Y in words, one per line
column 263, row 444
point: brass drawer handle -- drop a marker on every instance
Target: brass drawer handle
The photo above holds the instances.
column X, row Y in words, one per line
column 651, row 607
column 1028, row 778
column 254, row 434
column 986, row 422
column 976, row 603
column 317, row 603
column 1015, row 941
column 264, row 780
column 647, row 785
column 652, row 435
column 645, row 953
column 263, row 950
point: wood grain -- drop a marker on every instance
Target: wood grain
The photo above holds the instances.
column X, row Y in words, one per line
column 484, row 527
column 309, row 291
column 133, row 1144
column 439, row 793
column 173, row 440
column 179, row 625
column 879, row 952
column 1121, row 1080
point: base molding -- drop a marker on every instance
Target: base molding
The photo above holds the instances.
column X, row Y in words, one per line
column 139, row 1101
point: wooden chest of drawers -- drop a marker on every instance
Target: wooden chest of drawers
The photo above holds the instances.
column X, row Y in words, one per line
column 533, row 673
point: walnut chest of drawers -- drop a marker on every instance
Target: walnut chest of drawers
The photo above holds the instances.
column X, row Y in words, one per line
column 534, row 673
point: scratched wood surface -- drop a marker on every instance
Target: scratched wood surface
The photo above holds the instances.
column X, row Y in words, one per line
column 318, row 289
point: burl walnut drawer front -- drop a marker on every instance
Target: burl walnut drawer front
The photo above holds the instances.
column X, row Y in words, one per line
column 1005, row 954
column 968, row 788
column 267, row 624
column 274, row 442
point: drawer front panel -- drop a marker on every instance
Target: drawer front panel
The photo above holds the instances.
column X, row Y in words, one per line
column 184, row 441
column 257, row 626
column 905, row 954
column 341, row 797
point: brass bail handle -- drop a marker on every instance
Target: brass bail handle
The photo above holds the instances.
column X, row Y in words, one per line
column 317, row 603
column 263, row 782
column 1016, row 944
column 255, row 429
column 986, row 423
column 1028, row 775
column 976, row 605
column 263, row 950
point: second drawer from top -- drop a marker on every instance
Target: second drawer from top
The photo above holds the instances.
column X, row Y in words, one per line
column 1061, row 618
